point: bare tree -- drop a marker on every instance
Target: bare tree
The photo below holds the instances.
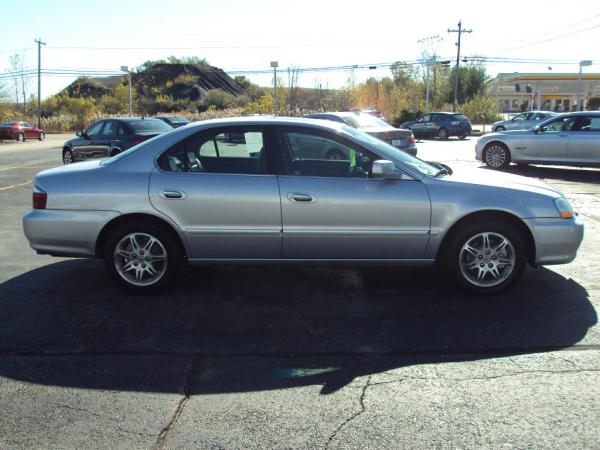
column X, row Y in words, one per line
column 21, row 80
column 292, row 88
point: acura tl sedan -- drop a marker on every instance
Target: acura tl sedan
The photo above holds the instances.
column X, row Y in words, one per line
column 571, row 139
column 193, row 195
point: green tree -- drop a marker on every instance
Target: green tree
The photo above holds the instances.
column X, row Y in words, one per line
column 481, row 109
column 472, row 79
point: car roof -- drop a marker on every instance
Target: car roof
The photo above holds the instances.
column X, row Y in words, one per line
column 266, row 120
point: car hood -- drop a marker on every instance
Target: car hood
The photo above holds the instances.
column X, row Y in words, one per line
column 488, row 177
column 508, row 133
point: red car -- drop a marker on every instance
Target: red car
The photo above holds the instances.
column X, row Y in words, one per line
column 20, row 131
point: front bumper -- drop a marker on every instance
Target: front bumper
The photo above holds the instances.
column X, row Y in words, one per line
column 556, row 240
column 65, row 233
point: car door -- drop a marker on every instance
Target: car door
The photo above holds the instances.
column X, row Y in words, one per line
column 334, row 209
column 85, row 147
column 28, row 131
column 584, row 141
column 222, row 194
column 419, row 128
column 104, row 142
column 550, row 142
column 519, row 122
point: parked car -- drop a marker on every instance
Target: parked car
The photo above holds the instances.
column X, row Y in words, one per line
column 571, row 139
column 374, row 126
column 110, row 137
column 440, row 124
column 174, row 121
column 20, row 131
column 523, row 121
column 189, row 195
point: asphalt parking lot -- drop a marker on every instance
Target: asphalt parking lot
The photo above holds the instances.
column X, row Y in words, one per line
column 295, row 357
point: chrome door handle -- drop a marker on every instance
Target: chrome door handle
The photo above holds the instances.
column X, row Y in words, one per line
column 300, row 197
column 169, row 194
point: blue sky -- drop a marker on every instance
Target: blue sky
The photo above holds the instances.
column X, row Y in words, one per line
column 234, row 34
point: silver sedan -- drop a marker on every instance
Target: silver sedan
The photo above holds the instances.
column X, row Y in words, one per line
column 571, row 139
column 249, row 190
column 523, row 121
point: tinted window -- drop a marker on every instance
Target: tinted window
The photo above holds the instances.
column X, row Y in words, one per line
column 94, row 129
column 110, row 129
column 238, row 150
column 426, row 118
column 520, row 117
column 149, row 125
column 315, row 154
column 7, row 124
column 122, row 130
column 367, row 120
column 587, row 123
column 461, row 117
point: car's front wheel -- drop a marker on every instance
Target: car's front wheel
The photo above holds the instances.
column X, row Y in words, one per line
column 142, row 257
column 496, row 156
column 443, row 133
column 486, row 257
column 68, row 156
column 42, row 136
column 21, row 137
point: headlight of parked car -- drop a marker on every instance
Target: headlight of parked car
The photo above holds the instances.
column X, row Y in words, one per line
column 564, row 208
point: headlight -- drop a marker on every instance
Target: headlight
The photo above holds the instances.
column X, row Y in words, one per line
column 564, row 208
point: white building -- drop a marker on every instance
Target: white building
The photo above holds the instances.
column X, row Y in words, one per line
column 516, row 92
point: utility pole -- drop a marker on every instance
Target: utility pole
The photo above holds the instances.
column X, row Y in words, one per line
column 39, row 99
column 274, row 65
column 460, row 31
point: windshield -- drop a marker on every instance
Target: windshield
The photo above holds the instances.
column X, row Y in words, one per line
column 179, row 120
column 393, row 153
column 149, row 125
column 7, row 124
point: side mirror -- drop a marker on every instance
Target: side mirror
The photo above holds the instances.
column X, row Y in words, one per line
column 382, row 168
column 79, row 133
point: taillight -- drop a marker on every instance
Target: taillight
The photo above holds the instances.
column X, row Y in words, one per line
column 39, row 199
column 137, row 141
column 412, row 139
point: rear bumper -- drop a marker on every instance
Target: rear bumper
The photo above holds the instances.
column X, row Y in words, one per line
column 556, row 240
column 60, row 232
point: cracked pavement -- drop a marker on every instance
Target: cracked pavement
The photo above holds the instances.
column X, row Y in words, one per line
column 295, row 357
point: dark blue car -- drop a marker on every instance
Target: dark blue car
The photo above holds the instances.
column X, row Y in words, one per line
column 109, row 137
column 440, row 124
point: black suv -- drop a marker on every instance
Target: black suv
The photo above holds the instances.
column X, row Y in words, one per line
column 440, row 124
column 111, row 136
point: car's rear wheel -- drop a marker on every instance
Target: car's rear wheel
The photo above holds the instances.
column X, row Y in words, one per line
column 141, row 257
column 21, row 137
column 500, row 128
column 496, row 156
column 42, row 136
column 486, row 257
column 443, row 133
column 463, row 136
column 68, row 156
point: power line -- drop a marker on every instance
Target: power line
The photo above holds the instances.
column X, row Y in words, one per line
column 554, row 38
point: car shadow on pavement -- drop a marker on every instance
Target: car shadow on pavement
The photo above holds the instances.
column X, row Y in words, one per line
column 554, row 173
column 235, row 329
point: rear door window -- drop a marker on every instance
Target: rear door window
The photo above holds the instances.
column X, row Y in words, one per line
column 94, row 130
column 237, row 150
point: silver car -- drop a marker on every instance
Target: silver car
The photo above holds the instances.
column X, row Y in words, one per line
column 523, row 121
column 196, row 195
column 571, row 139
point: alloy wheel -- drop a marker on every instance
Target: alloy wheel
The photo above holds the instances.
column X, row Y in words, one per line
column 487, row 259
column 495, row 156
column 140, row 259
column 67, row 157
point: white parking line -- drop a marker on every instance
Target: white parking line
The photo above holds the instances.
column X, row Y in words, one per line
column 30, row 163
column 15, row 185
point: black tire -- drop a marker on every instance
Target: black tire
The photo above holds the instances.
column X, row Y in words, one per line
column 463, row 136
column 335, row 153
column 443, row 134
column 21, row 137
column 172, row 259
column 115, row 151
column 499, row 128
column 496, row 155
column 67, row 156
column 454, row 262
column 42, row 136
